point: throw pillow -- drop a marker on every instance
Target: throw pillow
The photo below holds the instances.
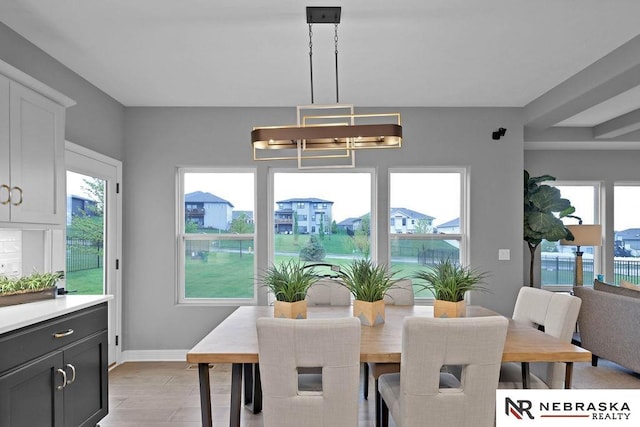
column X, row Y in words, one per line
column 629, row 285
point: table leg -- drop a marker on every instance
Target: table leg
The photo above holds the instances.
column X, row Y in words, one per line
column 568, row 374
column 205, row 394
column 252, row 387
column 236, row 395
column 525, row 375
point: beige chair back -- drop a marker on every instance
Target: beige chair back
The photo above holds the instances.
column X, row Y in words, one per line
column 401, row 293
column 328, row 292
column 558, row 314
column 330, row 344
column 474, row 343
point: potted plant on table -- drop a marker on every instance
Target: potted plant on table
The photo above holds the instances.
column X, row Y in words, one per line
column 289, row 283
column 36, row 286
column 449, row 282
column 368, row 283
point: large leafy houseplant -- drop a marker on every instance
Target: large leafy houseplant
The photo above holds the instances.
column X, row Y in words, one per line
column 543, row 209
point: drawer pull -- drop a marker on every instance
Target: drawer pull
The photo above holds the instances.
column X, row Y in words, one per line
column 63, row 334
column 64, row 379
column 73, row 373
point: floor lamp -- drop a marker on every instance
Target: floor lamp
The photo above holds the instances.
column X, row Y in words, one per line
column 584, row 235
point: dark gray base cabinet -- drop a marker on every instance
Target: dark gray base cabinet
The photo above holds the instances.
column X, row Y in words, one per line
column 62, row 379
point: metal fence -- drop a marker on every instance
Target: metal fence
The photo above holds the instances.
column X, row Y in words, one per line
column 560, row 270
column 83, row 254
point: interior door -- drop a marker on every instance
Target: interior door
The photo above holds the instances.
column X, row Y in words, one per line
column 93, row 233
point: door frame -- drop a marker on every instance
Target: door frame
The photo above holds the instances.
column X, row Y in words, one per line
column 113, row 231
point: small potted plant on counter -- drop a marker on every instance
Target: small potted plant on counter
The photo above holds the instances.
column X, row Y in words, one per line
column 36, row 286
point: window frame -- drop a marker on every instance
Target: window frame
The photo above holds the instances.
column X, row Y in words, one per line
column 181, row 238
column 598, row 204
column 462, row 237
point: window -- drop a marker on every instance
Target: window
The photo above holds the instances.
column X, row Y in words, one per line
column 433, row 200
column 216, row 235
column 557, row 262
column 626, row 225
column 300, row 205
column 343, row 229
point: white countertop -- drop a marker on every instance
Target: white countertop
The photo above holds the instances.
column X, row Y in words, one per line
column 21, row 315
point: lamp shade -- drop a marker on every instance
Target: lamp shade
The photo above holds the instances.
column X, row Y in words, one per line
column 584, row 235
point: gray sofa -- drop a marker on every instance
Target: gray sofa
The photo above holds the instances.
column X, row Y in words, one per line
column 609, row 323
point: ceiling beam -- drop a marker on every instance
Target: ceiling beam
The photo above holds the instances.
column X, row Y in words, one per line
column 619, row 126
column 611, row 75
column 576, row 138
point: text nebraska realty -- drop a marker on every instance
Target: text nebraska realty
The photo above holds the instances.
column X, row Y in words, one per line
column 597, row 410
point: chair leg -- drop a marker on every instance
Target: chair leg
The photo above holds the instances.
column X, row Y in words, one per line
column 594, row 360
column 384, row 413
column 365, row 390
column 379, row 403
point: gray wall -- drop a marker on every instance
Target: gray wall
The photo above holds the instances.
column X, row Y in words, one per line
column 603, row 166
column 96, row 121
column 161, row 139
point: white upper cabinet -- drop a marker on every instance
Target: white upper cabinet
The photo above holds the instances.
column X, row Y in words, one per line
column 32, row 170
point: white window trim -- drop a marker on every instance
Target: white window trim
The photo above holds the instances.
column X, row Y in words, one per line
column 181, row 238
column 598, row 259
column 462, row 237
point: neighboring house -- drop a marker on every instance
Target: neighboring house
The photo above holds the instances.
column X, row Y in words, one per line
column 247, row 214
column 407, row 221
column 207, row 210
column 311, row 214
column 76, row 205
column 449, row 227
column 349, row 225
column 628, row 242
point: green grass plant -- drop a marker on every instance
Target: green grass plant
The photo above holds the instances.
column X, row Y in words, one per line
column 366, row 281
column 449, row 281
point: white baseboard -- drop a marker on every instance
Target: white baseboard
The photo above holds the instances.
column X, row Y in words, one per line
column 154, row 356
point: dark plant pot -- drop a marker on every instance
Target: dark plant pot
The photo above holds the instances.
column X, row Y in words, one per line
column 25, row 297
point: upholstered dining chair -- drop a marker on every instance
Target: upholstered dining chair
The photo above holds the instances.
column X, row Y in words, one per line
column 400, row 294
column 422, row 392
column 328, row 291
column 284, row 345
column 554, row 313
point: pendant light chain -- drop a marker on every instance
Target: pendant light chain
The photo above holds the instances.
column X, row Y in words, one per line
column 335, row 38
column 311, row 59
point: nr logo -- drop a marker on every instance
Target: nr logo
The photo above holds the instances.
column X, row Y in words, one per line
column 518, row 408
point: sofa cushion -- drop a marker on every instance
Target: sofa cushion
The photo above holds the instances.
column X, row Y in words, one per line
column 628, row 285
column 605, row 287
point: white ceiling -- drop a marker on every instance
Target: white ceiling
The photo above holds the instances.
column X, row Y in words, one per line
column 403, row 53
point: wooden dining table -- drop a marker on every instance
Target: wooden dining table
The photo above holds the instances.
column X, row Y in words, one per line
column 235, row 341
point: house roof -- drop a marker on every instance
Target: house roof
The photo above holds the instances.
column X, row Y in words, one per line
column 409, row 213
column 629, row 234
column 453, row 223
column 202, row 197
column 349, row 221
column 304, row 199
column 236, row 214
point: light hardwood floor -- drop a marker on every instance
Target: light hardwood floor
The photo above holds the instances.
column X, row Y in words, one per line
column 159, row 394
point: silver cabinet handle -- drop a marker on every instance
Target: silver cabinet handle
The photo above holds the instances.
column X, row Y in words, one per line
column 8, row 199
column 63, row 334
column 19, row 202
column 73, row 373
column 64, row 379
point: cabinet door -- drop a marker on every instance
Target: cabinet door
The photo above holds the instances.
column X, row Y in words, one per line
column 86, row 397
column 37, row 157
column 29, row 395
column 4, row 149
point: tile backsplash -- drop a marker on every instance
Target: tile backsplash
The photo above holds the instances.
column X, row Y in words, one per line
column 11, row 252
